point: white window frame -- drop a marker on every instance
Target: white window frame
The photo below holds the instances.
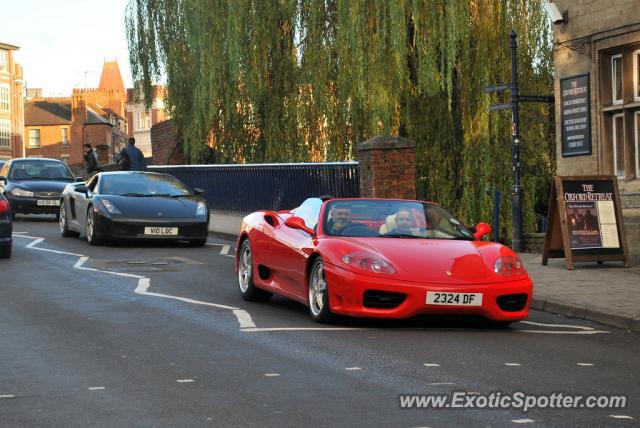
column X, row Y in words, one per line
column 615, row 145
column 65, row 159
column 636, row 123
column 5, row 134
column 613, row 80
column 4, row 60
column 62, row 140
column 636, row 78
column 142, row 125
column 30, row 146
column 5, row 101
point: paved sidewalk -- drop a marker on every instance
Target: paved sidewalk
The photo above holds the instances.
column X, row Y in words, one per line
column 607, row 293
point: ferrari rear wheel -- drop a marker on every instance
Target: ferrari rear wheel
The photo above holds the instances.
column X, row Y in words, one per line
column 319, row 293
column 248, row 290
column 91, row 228
column 62, row 221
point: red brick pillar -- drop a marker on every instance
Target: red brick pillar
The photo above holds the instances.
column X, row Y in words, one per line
column 387, row 168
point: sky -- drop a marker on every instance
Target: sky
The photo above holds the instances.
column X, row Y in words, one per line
column 63, row 44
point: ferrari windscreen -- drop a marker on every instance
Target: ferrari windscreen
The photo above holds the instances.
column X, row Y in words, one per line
column 142, row 185
column 392, row 219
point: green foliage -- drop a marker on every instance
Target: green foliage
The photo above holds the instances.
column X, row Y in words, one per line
column 307, row 80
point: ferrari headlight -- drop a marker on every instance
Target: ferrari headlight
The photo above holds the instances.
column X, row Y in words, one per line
column 368, row 262
column 21, row 192
column 202, row 208
column 509, row 266
column 108, row 205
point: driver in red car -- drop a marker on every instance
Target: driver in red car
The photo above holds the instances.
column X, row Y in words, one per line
column 340, row 218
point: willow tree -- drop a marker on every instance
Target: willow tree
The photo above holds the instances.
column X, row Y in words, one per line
column 302, row 80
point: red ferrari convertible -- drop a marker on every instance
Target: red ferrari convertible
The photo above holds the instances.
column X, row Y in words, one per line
column 384, row 258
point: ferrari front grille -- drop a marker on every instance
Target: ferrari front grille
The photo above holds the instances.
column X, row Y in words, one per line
column 512, row 302
column 383, row 299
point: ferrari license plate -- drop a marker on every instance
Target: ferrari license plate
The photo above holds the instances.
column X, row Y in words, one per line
column 454, row 299
column 161, row 231
column 49, row 202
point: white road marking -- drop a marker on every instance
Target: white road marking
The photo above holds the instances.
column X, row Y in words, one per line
column 185, row 380
column 620, row 417
column 352, row 368
column 272, row 374
column 513, row 364
column 8, row 396
column 523, row 421
column 578, row 327
column 431, row 365
column 18, row 233
column 243, row 317
column 585, row 364
column 95, row 388
column 225, row 250
column 440, row 383
column 563, row 332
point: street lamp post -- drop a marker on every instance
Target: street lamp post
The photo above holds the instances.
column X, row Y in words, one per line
column 517, row 189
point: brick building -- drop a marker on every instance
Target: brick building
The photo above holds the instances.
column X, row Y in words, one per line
column 141, row 119
column 11, row 104
column 59, row 127
column 597, row 90
column 166, row 146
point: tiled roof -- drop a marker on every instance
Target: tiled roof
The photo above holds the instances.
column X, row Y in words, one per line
column 111, row 79
column 47, row 113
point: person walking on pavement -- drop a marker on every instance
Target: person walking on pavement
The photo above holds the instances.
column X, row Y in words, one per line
column 131, row 158
column 91, row 158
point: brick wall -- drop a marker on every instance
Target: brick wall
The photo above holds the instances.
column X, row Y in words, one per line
column 387, row 168
column 51, row 144
column 167, row 149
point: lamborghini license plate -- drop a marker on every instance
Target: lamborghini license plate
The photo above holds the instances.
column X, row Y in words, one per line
column 161, row 231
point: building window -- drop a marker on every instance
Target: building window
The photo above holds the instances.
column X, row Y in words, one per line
column 637, row 151
column 618, row 145
column 34, row 138
column 4, row 97
column 616, row 79
column 65, row 159
column 144, row 121
column 636, row 75
column 4, row 60
column 64, row 136
column 5, row 134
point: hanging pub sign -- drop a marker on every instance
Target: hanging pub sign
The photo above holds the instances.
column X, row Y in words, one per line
column 575, row 115
column 585, row 221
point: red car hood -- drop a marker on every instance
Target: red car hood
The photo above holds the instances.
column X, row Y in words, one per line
column 440, row 261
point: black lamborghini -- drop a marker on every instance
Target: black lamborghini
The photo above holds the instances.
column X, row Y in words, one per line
column 134, row 205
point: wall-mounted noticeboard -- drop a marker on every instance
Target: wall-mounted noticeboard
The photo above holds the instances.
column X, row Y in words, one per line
column 585, row 221
column 575, row 115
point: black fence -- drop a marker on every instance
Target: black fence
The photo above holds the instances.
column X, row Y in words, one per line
column 242, row 189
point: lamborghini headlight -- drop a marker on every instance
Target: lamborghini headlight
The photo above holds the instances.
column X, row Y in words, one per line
column 108, row 205
column 202, row 209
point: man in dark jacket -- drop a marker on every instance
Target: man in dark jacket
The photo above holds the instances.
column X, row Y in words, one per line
column 131, row 158
column 91, row 158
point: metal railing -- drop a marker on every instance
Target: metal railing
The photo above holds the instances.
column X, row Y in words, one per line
column 242, row 189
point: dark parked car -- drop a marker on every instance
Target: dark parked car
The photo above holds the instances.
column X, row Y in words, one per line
column 34, row 185
column 134, row 205
column 5, row 228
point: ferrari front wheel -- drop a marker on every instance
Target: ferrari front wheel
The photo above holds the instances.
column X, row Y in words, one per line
column 319, row 293
column 248, row 290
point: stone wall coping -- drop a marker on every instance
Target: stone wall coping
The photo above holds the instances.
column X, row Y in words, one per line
column 380, row 142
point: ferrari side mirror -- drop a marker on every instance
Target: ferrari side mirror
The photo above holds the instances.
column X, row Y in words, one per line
column 298, row 223
column 481, row 230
